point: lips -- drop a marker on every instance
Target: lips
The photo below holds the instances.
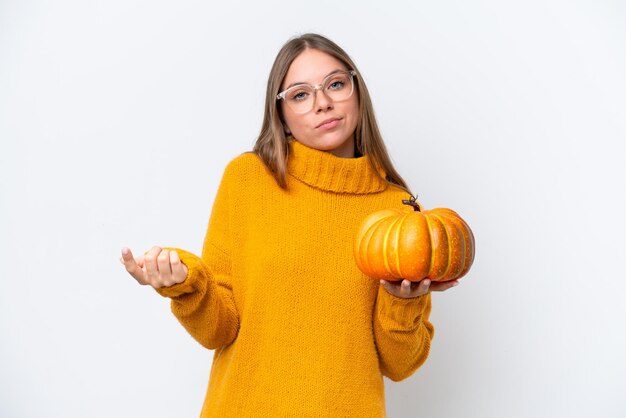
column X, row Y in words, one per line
column 331, row 122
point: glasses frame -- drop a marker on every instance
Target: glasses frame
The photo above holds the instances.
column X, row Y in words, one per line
column 282, row 95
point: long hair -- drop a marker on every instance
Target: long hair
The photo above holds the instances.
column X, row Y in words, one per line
column 272, row 143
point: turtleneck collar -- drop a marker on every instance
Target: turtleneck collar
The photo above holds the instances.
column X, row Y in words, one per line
column 325, row 171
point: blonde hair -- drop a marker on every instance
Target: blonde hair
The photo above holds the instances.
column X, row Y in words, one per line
column 272, row 143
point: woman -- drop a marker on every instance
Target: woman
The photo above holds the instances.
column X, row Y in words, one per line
column 297, row 329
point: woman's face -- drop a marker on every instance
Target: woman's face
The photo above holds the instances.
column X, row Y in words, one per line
column 328, row 126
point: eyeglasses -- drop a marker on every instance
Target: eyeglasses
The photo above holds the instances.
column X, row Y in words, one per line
column 337, row 86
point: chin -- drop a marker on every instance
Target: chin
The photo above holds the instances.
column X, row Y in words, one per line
column 326, row 146
column 334, row 139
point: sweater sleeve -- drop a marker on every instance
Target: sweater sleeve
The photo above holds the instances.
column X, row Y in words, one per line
column 402, row 332
column 204, row 302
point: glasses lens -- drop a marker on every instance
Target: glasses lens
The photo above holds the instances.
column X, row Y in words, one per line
column 337, row 87
column 300, row 98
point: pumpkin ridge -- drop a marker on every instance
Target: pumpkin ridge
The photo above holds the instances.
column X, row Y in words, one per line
column 385, row 241
column 367, row 237
column 373, row 228
column 464, row 245
column 432, row 245
column 397, row 252
column 469, row 256
column 361, row 243
column 468, row 245
column 449, row 261
column 452, row 218
column 438, row 235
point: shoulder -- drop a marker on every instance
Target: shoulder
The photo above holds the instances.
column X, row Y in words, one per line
column 394, row 191
column 392, row 197
column 243, row 164
column 247, row 167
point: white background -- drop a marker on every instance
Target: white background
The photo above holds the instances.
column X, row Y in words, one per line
column 118, row 117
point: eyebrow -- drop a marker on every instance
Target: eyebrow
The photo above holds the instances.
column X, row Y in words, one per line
column 298, row 83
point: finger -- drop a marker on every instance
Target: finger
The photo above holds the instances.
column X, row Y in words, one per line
column 424, row 286
column 151, row 266
column 179, row 270
column 402, row 288
column 390, row 286
column 405, row 288
column 165, row 270
column 140, row 261
column 132, row 267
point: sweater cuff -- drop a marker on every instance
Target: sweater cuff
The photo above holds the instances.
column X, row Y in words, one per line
column 195, row 275
column 400, row 314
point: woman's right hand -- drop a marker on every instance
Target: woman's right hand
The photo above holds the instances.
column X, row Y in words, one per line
column 157, row 268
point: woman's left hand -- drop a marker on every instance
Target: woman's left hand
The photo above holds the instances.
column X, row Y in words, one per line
column 406, row 289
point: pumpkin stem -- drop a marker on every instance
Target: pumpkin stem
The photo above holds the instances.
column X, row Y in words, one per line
column 413, row 202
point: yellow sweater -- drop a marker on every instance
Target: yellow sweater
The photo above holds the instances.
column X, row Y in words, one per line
column 298, row 330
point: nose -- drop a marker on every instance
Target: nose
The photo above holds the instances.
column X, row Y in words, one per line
column 322, row 101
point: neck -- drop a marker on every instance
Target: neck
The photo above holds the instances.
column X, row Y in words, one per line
column 345, row 150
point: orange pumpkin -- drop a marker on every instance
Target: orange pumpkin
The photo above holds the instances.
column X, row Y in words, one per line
column 414, row 244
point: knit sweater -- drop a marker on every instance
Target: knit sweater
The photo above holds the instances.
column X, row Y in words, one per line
column 297, row 329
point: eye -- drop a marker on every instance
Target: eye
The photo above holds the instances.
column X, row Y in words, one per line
column 337, row 83
column 298, row 95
